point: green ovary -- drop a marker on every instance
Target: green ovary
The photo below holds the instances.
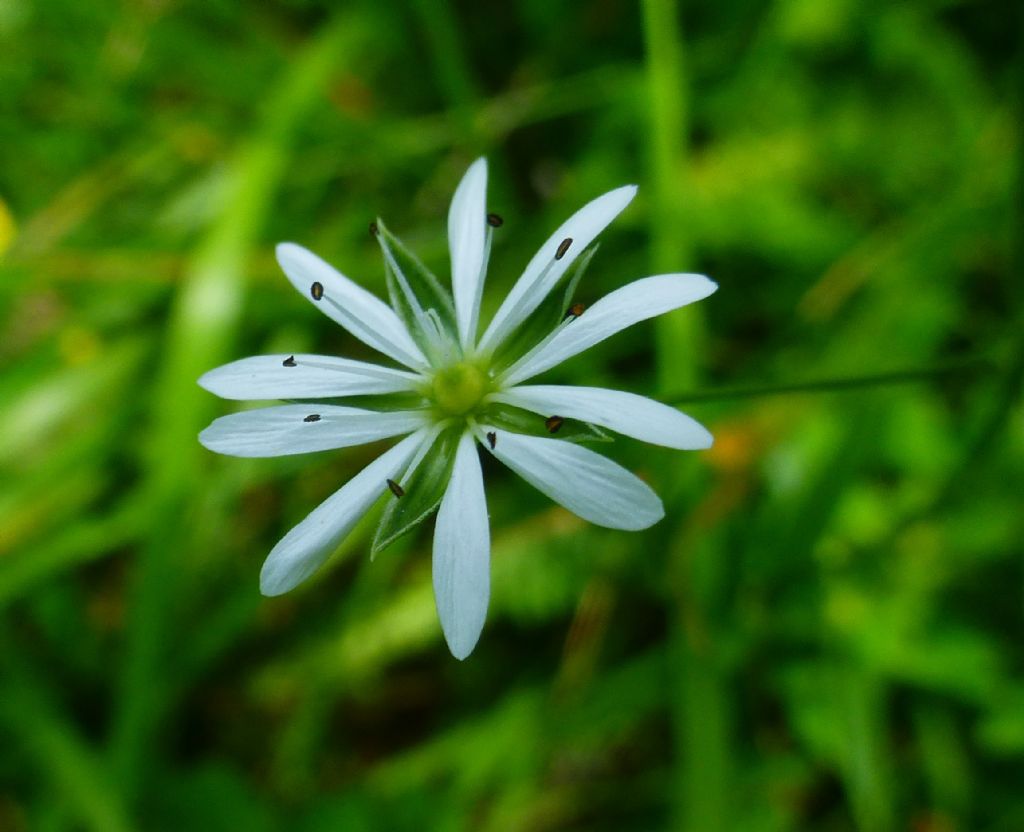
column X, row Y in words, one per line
column 457, row 390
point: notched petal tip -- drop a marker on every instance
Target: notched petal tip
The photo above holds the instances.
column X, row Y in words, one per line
column 461, row 641
column 205, row 439
column 478, row 163
column 206, row 381
column 461, row 651
column 281, row 571
column 652, row 520
column 621, row 197
column 275, row 580
column 710, row 286
column 271, row 586
column 283, row 251
column 611, row 204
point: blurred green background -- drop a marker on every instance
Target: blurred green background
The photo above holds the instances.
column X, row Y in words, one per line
column 826, row 630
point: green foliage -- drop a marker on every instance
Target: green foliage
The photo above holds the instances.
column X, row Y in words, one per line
column 415, row 292
column 824, row 632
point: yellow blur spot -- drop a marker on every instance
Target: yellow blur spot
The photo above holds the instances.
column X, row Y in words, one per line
column 78, row 345
column 7, row 228
column 734, row 449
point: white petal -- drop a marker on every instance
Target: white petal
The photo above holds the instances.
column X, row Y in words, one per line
column 366, row 316
column 284, row 430
column 586, row 483
column 462, row 553
column 467, row 219
column 303, row 377
column 626, row 413
column 305, row 548
column 624, row 307
column 544, row 271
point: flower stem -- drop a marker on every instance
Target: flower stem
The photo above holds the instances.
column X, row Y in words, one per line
column 833, row 385
column 702, row 703
column 678, row 333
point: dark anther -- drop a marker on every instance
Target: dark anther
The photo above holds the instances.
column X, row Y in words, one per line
column 312, row 417
column 396, row 489
column 373, row 229
column 563, row 247
column 495, row 220
column 289, row 361
column 492, row 439
column 553, row 423
column 574, row 311
column 317, row 290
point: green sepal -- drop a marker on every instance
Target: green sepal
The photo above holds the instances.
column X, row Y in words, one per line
column 424, row 486
column 575, row 275
column 414, row 290
column 517, row 420
column 545, row 317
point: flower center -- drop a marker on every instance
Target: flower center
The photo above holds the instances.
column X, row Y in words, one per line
column 458, row 389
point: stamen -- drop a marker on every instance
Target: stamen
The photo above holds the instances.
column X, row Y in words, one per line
column 289, row 361
column 553, row 423
column 396, row 489
column 563, row 247
column 495, row 220
column 443, row 347
column 492, row 439
column 574, row 311
column 312, row 417
column 317, row 290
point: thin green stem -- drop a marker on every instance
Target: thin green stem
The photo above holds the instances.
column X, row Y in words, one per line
column 668, row 103
column 701, row 703
column 834, row 385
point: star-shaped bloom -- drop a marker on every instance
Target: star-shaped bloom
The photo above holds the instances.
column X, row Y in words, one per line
column 456, row 389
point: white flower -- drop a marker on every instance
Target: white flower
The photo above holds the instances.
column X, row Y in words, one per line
column 456, row 390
